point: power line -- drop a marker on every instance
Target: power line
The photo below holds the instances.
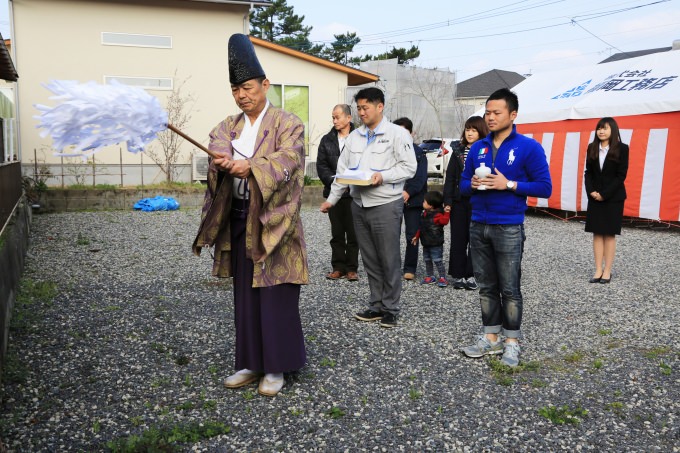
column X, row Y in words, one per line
column 551, row 43
column 595, row 36
column 583, row 17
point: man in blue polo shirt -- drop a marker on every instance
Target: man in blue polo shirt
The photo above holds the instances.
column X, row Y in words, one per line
column 519, row 169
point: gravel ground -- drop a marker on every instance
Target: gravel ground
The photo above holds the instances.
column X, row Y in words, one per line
column 140, row 336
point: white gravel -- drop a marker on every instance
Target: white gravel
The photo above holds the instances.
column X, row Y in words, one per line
column 133, row 302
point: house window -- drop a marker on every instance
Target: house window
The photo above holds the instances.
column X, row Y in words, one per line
column 148, row 83
column 293, row 99
column 132, row 40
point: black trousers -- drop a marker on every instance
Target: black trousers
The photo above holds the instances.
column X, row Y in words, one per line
column 411, row 224
column 344, row 246
column 460, row 259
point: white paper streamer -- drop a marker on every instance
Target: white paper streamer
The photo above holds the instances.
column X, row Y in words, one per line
column 91, row 116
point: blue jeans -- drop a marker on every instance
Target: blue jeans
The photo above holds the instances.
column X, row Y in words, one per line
column 497, row 261
column 434, row 253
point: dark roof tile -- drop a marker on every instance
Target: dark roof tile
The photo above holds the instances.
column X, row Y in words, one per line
column 487, row 83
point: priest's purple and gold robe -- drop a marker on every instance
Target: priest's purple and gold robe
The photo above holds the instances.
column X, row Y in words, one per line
column 260, row 242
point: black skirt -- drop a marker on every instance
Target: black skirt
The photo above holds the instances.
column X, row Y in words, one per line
column 604, row 217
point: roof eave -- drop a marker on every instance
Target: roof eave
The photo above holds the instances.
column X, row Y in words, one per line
column 237, row 2
column 354, row 76
column 7, row 69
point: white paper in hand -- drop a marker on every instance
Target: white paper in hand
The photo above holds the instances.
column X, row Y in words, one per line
column 355, row 177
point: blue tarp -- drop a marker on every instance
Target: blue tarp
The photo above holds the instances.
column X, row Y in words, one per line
column 158, row 203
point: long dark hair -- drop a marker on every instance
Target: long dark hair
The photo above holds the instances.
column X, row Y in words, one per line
column 614, row 141
column 477, row 123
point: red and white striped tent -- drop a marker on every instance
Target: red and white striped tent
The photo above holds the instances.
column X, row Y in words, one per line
column 560, row 110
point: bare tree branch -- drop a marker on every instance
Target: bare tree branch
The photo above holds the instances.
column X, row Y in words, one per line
column 179, row 106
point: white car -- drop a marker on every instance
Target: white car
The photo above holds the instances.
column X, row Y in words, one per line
column 438, row 151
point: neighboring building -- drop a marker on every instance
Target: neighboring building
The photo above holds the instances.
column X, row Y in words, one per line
column 157, row 45
column 14, row 212
column 476, row 90
column 426, row 96
column 8, row 131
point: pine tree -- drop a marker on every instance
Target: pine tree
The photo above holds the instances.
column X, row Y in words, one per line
column 278, row 23
column 343, row 45
column 402, row 54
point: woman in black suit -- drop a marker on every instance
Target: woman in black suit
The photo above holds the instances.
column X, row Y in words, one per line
column 606, row 169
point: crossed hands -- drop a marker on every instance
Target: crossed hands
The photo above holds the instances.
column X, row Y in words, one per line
column 493, row 181
column 236, row 168
column 596, row 196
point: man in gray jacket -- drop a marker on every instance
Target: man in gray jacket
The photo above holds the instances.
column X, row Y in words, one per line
column 380, row 156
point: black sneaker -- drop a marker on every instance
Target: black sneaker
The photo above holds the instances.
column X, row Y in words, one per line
column 368, row 315
column 459, row 283
column 389, row 320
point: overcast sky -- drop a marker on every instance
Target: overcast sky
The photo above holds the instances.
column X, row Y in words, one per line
column 473, row 37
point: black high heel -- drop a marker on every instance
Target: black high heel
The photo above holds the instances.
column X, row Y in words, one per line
column 606, row 280
column 596, row 279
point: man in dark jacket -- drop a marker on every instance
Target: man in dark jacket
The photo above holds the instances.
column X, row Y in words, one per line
column 344, row 247
column 414, row 195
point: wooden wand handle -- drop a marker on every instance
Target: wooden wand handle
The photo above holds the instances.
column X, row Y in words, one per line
column 192, row 141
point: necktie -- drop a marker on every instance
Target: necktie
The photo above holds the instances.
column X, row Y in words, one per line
column 371, row 136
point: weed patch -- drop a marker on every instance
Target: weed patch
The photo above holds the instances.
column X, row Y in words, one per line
column 564, row 414
column 537, row 383
column 616, row 407
column 335, row 412
column 14, row 371
column 168, row 439
column 248, row 395
column 655, row 353
column 414, row 393
column 31, row 295
column 665, row 368
column 327, row 362
column 574, row 357
column 82, row 240
column 503, row 373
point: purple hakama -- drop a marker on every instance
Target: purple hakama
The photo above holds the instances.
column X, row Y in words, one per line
column 269, row 336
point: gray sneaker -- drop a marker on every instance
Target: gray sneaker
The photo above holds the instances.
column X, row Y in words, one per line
column 483, row 347
column 511, row 354
column 471, row 284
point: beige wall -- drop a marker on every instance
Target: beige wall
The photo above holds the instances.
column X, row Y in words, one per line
column 326, row 89
column 61, row 39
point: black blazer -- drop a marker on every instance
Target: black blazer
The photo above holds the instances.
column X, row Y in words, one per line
column 609, row 180
column 453, row 173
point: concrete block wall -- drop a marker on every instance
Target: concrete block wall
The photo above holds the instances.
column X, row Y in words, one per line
column 55, row 200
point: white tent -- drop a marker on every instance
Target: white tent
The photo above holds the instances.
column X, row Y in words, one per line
column 560, row 109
